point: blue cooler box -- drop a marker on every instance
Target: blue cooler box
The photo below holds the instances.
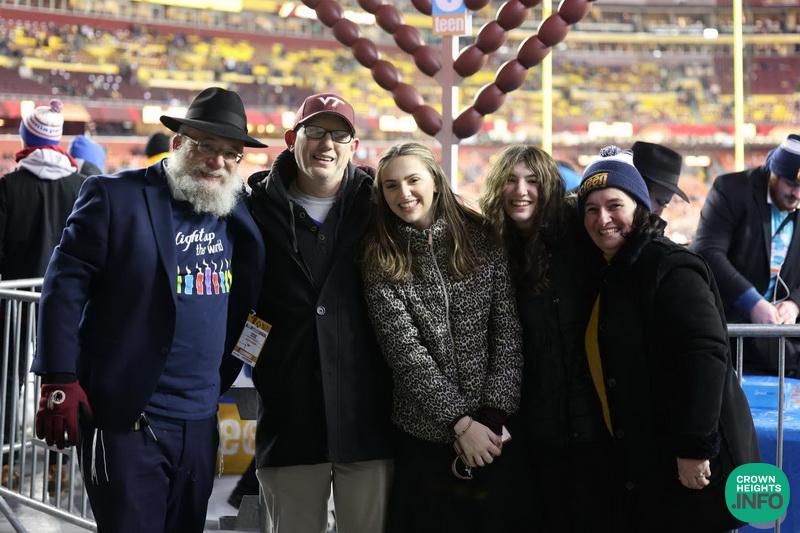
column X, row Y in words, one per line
column 762, row 392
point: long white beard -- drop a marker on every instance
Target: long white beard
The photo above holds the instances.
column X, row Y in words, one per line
column 185, row 182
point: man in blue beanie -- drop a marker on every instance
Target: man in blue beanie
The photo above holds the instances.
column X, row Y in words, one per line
column 748, row 234
column 571, row 178
column 90, row 156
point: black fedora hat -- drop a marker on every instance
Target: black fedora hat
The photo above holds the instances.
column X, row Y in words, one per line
column 659, row 164
column 218, row 112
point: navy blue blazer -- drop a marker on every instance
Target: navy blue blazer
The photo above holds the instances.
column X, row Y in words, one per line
column 107, row 311
column 735, row 237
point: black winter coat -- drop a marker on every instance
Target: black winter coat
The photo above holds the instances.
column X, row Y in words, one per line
column 324, row 386
column 559, row 402
column 671, row 387
column 33, row 213
column 562, row 481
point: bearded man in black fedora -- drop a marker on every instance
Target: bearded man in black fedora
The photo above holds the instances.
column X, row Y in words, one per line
column 143, row 301
column 660, row 167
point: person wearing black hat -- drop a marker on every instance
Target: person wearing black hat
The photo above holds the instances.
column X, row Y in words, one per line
column 157, row 148
column 143, row 302
column 748, row 233
column 661, row 169
column 325, row 388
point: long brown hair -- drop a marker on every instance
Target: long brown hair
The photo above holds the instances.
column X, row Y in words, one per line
column 526, row 249
column 384, row 250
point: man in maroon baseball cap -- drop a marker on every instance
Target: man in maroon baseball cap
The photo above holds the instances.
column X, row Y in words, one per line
column 325, row 388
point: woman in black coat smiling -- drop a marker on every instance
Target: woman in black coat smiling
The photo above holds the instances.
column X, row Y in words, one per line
column 560, row 438
column 658, row 353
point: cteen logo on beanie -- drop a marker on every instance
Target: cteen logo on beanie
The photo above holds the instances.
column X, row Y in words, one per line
column 598, row 181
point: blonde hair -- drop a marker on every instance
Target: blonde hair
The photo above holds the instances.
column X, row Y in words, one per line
column 526, row 250
column 384, row 250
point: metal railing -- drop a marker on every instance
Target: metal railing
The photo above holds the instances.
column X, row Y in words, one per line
column 34, row 474
column 781, row 332
column 741, row 331
column 39, row 476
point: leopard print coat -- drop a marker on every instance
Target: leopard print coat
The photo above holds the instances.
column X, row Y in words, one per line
column 453, row 345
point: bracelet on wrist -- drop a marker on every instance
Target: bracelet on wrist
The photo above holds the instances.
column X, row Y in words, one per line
column 461, row 433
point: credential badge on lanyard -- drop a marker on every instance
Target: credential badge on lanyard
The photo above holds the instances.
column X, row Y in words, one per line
column 252, row 339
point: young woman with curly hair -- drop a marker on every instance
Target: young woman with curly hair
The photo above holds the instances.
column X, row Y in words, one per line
column 560, row 487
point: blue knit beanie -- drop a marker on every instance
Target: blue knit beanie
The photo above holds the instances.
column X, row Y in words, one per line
column 82, row 147
column 613, row 169
column 43, row 125
column 571, row 178
column 784, row 161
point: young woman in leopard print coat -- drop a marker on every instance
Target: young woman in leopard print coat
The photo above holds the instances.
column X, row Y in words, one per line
column 442, row 303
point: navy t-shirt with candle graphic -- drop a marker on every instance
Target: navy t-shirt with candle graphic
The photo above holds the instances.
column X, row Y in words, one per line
column 189, row 386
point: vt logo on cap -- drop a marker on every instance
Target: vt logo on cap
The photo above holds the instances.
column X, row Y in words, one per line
column 331, row 101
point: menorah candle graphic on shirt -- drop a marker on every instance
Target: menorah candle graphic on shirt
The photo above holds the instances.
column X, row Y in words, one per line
column 178, row 269
column 198, row 282
column 207, row 278
column 215, row 278
column 222, row 285
column 187, row 281
column 228, row 275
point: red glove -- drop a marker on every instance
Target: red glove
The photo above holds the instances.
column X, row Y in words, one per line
column 57, row 417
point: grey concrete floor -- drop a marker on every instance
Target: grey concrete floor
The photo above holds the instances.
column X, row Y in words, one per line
column 38, row 522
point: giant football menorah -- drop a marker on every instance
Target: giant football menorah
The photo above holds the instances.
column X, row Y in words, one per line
column 439, row 64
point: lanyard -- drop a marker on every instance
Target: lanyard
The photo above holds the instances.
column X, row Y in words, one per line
column 789, row 218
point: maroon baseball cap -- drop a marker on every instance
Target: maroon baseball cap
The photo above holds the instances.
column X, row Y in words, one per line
column 317, row 104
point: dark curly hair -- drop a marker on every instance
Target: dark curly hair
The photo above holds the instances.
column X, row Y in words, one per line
column 645, row 224
column 526, row 249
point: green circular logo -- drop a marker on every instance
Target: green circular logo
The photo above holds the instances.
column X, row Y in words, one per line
column 757, row 493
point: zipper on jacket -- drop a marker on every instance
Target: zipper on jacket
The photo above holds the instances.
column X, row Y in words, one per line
column 295, row 246
column 444, row 288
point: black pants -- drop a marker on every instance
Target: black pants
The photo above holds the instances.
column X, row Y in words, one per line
column 152, row 485
column 427, row 498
